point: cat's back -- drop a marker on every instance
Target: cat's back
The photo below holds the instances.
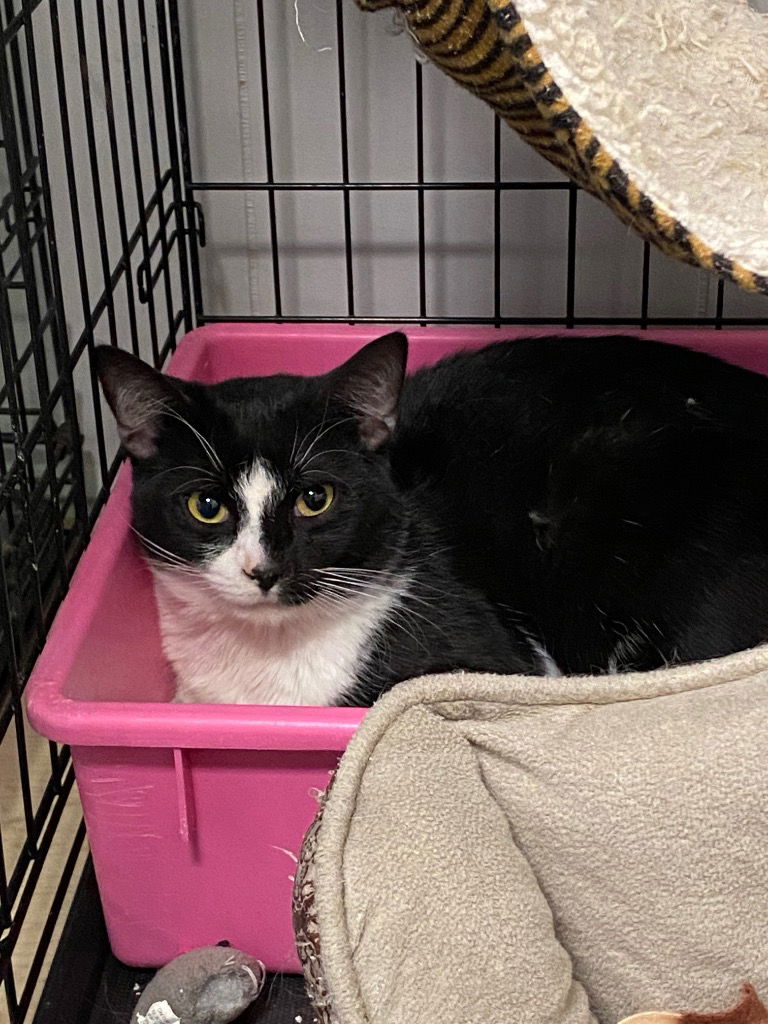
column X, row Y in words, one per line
column 600, row 484
column 552, row 391
column 575, row 371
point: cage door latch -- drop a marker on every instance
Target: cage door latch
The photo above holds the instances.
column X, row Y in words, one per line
column 194, row 221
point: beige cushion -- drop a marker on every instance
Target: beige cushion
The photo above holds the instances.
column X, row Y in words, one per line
column 516, row 849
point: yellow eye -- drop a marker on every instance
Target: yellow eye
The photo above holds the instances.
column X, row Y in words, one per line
column 315, row 500
column 206, row 508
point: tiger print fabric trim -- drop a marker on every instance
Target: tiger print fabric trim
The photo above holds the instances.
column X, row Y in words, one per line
column 496, row 60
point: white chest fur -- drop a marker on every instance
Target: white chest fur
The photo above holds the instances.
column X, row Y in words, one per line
column 272, row 655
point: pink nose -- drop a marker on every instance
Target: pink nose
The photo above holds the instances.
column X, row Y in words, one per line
column 265, row 576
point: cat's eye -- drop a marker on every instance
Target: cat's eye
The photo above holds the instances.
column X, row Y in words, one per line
column 315, row 500
column 207, row 508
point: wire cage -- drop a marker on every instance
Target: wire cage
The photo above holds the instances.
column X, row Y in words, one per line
column 164, row 166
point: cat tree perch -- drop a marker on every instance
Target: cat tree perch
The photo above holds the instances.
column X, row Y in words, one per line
column 657, row 107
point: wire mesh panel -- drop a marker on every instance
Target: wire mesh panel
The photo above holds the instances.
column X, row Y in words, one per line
column 92, row 248
column 341, row 178
column 167, row 165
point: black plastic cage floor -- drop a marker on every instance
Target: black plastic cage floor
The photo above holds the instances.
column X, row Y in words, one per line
column 87, row 985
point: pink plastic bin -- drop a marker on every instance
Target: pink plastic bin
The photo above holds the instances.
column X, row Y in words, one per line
column 195, row 813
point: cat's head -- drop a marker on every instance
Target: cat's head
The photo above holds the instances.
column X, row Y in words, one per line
column 268, row 491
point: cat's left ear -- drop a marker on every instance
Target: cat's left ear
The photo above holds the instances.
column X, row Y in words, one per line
column 370, row 384
column 138, row 396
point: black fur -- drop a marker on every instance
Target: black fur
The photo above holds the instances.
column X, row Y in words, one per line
column 604, row 498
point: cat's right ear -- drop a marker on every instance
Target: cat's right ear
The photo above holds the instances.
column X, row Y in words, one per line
column 370, row 384
column 137, row 395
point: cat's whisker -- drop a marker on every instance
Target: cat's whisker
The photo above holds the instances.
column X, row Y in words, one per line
column 351, row 589
column 339, row 588
column 359, row 571
column 434, row 554
column 329, row 601
column 302, row 460
column 390, row 574
column 324, row 475
column 293, row 447
column 204, row 443
column 319, row 455
column 310, row 434
column 150, row 543
column 412, row 613
column 343, row 593
column 200, row 481
column 171, row 567
column 412, row 565
column 167, row 557
column 175, row 469
column 439, row 591
column 358, row 568
column 171, row 563
column 353, row 569
column 382, row 587
column 363, row 584
column 369, row 585
column 372, row 586
column 163, row 563
column 395, row 617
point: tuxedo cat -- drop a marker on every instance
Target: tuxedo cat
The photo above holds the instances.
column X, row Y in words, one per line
column 543, row 506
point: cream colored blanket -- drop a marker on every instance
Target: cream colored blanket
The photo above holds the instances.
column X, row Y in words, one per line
column 505, row 850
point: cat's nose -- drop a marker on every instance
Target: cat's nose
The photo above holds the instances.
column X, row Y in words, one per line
column 264, row 576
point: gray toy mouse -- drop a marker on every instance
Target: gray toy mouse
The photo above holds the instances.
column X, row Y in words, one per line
column 209, row 985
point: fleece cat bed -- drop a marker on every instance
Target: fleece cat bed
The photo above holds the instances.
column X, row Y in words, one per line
column 657, row 107
column 569, row 850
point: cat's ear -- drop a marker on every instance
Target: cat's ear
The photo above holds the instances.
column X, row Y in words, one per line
column 137, row 395
column 370, row 384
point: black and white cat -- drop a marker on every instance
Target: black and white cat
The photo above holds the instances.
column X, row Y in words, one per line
column 542, row 506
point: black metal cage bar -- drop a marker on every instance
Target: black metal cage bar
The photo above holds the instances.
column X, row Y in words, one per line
column 103, row 215
column 56, row 299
